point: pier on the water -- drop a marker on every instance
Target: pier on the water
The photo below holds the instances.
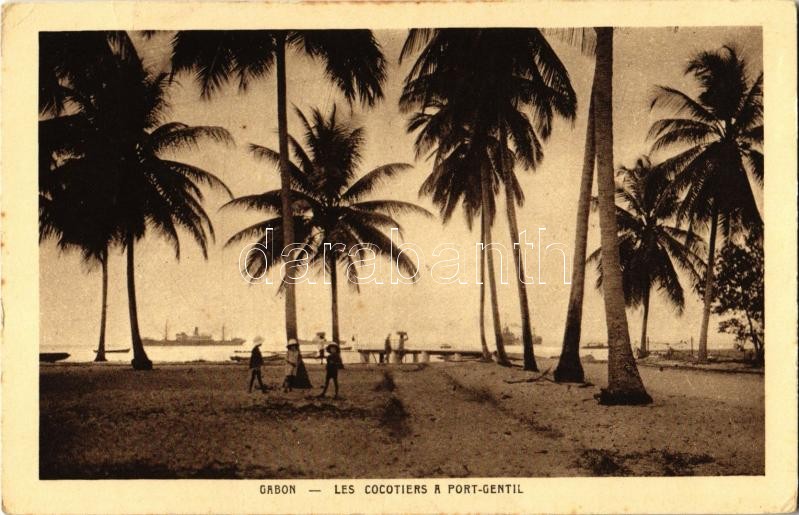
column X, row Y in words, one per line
column 378, row 355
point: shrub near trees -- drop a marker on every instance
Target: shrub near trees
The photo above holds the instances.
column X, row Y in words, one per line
column 739, row 293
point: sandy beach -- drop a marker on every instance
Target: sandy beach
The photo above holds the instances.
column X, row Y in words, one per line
column 401, row 421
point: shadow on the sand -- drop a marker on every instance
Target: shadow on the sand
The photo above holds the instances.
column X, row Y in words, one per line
column 142, row 469
column 311, row 406
column 656, row 462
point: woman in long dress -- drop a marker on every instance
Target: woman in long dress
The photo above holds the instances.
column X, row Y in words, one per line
column 296, row 374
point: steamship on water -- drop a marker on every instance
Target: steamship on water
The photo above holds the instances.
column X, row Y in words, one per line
column 195, row 339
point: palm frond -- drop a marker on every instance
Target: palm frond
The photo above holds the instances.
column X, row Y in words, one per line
column 216, row 57
column 198, row 175
column 392, row 207
column 299, row 177
column 368, row 182
column 677, row 101
column 176, row 136
column 582, row 37
column 353, row 60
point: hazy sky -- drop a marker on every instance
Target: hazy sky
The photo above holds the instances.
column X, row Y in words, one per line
column 209, row 293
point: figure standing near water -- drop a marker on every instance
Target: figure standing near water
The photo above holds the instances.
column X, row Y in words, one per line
column 256, row 360
column 387, row 349
column 334, row 363
column 320, row 347
column 403, row 337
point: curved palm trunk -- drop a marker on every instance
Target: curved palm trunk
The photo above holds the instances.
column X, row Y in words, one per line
column 624, row 382
column 101, row 344
column 644, row 349
column 334, row 301
column 521, row 287
column 502, row 357
column 483, row 343
column 709, row 284
column 285, row 186
column 140, row 360
column 569, row 369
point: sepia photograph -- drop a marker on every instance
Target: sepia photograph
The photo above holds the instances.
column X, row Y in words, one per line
column 162, row 184
column 417, row 260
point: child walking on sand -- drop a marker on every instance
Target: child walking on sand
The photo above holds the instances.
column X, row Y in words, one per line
column 334, row 363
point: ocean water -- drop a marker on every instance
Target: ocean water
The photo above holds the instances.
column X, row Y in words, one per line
column 185, row 354
column 223, row 353
column 159, row 354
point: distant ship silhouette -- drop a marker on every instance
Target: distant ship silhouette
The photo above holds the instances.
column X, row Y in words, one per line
column 194, row 339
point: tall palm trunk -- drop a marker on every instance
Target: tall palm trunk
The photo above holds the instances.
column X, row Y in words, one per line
column 709, row 284
column 483, row 343
column 334, row 300
column 521, row 287
column 569, row 369
column 644, row 350
column 624, row 382
column 485, row 187
column 140, row 360
column 285, row 185
column 101, row 344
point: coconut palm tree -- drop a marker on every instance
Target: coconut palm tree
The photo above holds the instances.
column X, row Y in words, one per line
column 353, row 62
column 491, row 79
column 463, row 168
column 77, row 58
column 570, row 369
column 624, row 382
column 332, row 218
column 456, row 180
column 130, row 152
column 719, row 135
column 73, row 209
column 649, row 246
column 74, row 206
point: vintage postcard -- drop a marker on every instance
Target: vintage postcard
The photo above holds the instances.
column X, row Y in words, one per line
column 533, row 257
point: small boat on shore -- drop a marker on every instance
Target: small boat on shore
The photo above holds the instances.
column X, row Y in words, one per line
column 269, row 358
column 114, row 351
column 52, row 357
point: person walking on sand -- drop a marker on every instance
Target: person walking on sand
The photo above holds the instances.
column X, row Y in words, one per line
column 256, row 361
column 296, row 374
column 334, row 363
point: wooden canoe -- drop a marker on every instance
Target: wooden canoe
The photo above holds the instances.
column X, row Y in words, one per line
column 52, row 357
